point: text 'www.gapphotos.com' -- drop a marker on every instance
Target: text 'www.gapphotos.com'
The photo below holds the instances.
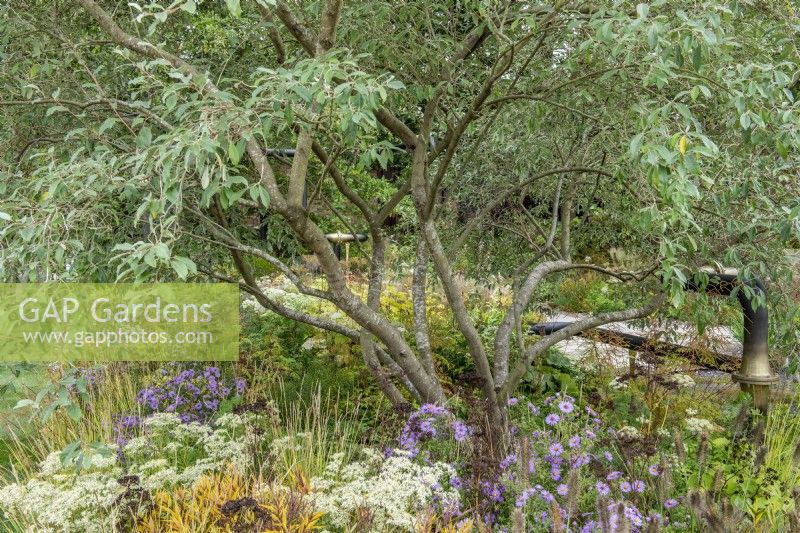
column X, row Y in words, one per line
column 80, row 339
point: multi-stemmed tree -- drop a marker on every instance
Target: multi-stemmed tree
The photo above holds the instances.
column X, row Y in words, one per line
column 140, row 143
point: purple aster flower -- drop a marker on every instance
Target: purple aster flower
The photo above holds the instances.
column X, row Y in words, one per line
column 432, row 409
column 608, row 456
column 638, row 485
column 522, row 499
column 555, row 473
column 508, row 461
column 602, row 488
column 589, row 526
column 512, row 401
column 533, row 409
column 633, row 515
column 547, row 496
column 590, row 434
column 574, row 441
column 460, row 431
column 494, row 491
column 670, row 503
column 614, row 475
column 562, row 489
column 625, row 487
column 566, row 406
column 655, row 470
column 426, row 426
column 580, row 460
column 456, row 483
column 552, row 419
column 556, row 448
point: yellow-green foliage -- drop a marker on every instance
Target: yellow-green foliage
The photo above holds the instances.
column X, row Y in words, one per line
column 223, row 503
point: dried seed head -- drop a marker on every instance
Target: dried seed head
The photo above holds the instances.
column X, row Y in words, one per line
column 796, row 456
column 794, row 521
column 741, row 420
column 622, row 520
column 716, row 486
column 524, row 460
column 702, row 450
column 680, row 450
column 517, row 521
column 664, row 484
column 573, row 491
column 759, row 433
column 761, row 456
column 557, row 521
column 603, row 514
column 696, row 503
column 654, row 526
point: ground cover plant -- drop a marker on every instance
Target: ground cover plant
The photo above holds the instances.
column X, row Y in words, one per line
column 506, row 163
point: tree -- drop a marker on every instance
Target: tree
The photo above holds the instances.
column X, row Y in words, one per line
column 142, row 146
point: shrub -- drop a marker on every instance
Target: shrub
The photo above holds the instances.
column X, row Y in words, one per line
column 170, row 453
column 384, row 491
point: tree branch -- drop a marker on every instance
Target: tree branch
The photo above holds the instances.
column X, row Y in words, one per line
column 272, row 33
column 573, row 329
column 461, row 239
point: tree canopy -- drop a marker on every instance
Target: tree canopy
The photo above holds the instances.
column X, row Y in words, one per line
column 143, row 142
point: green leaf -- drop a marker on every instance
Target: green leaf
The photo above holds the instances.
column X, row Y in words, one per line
column 233, row 153
column 107, row 124
column 395, row 84
column 636, row 145
column 234, row 7
column 180, row 268
column 189, row 6
column 709, row 36
column 74, row 411
column 162, row 251
column 55, row 109
column 744, row 120
column 264, row 196
column 144, row 138
column 642, row 10
column 183, row 266
column 26, row 402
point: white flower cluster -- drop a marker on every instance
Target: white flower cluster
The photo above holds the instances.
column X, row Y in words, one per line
column 291, row 443
column 61, row 500
column 682, row 380
column 617, row 384
column 628, row 432
column 396, row 490
column 700, row 425
column 174, row 453
column 58, row 500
